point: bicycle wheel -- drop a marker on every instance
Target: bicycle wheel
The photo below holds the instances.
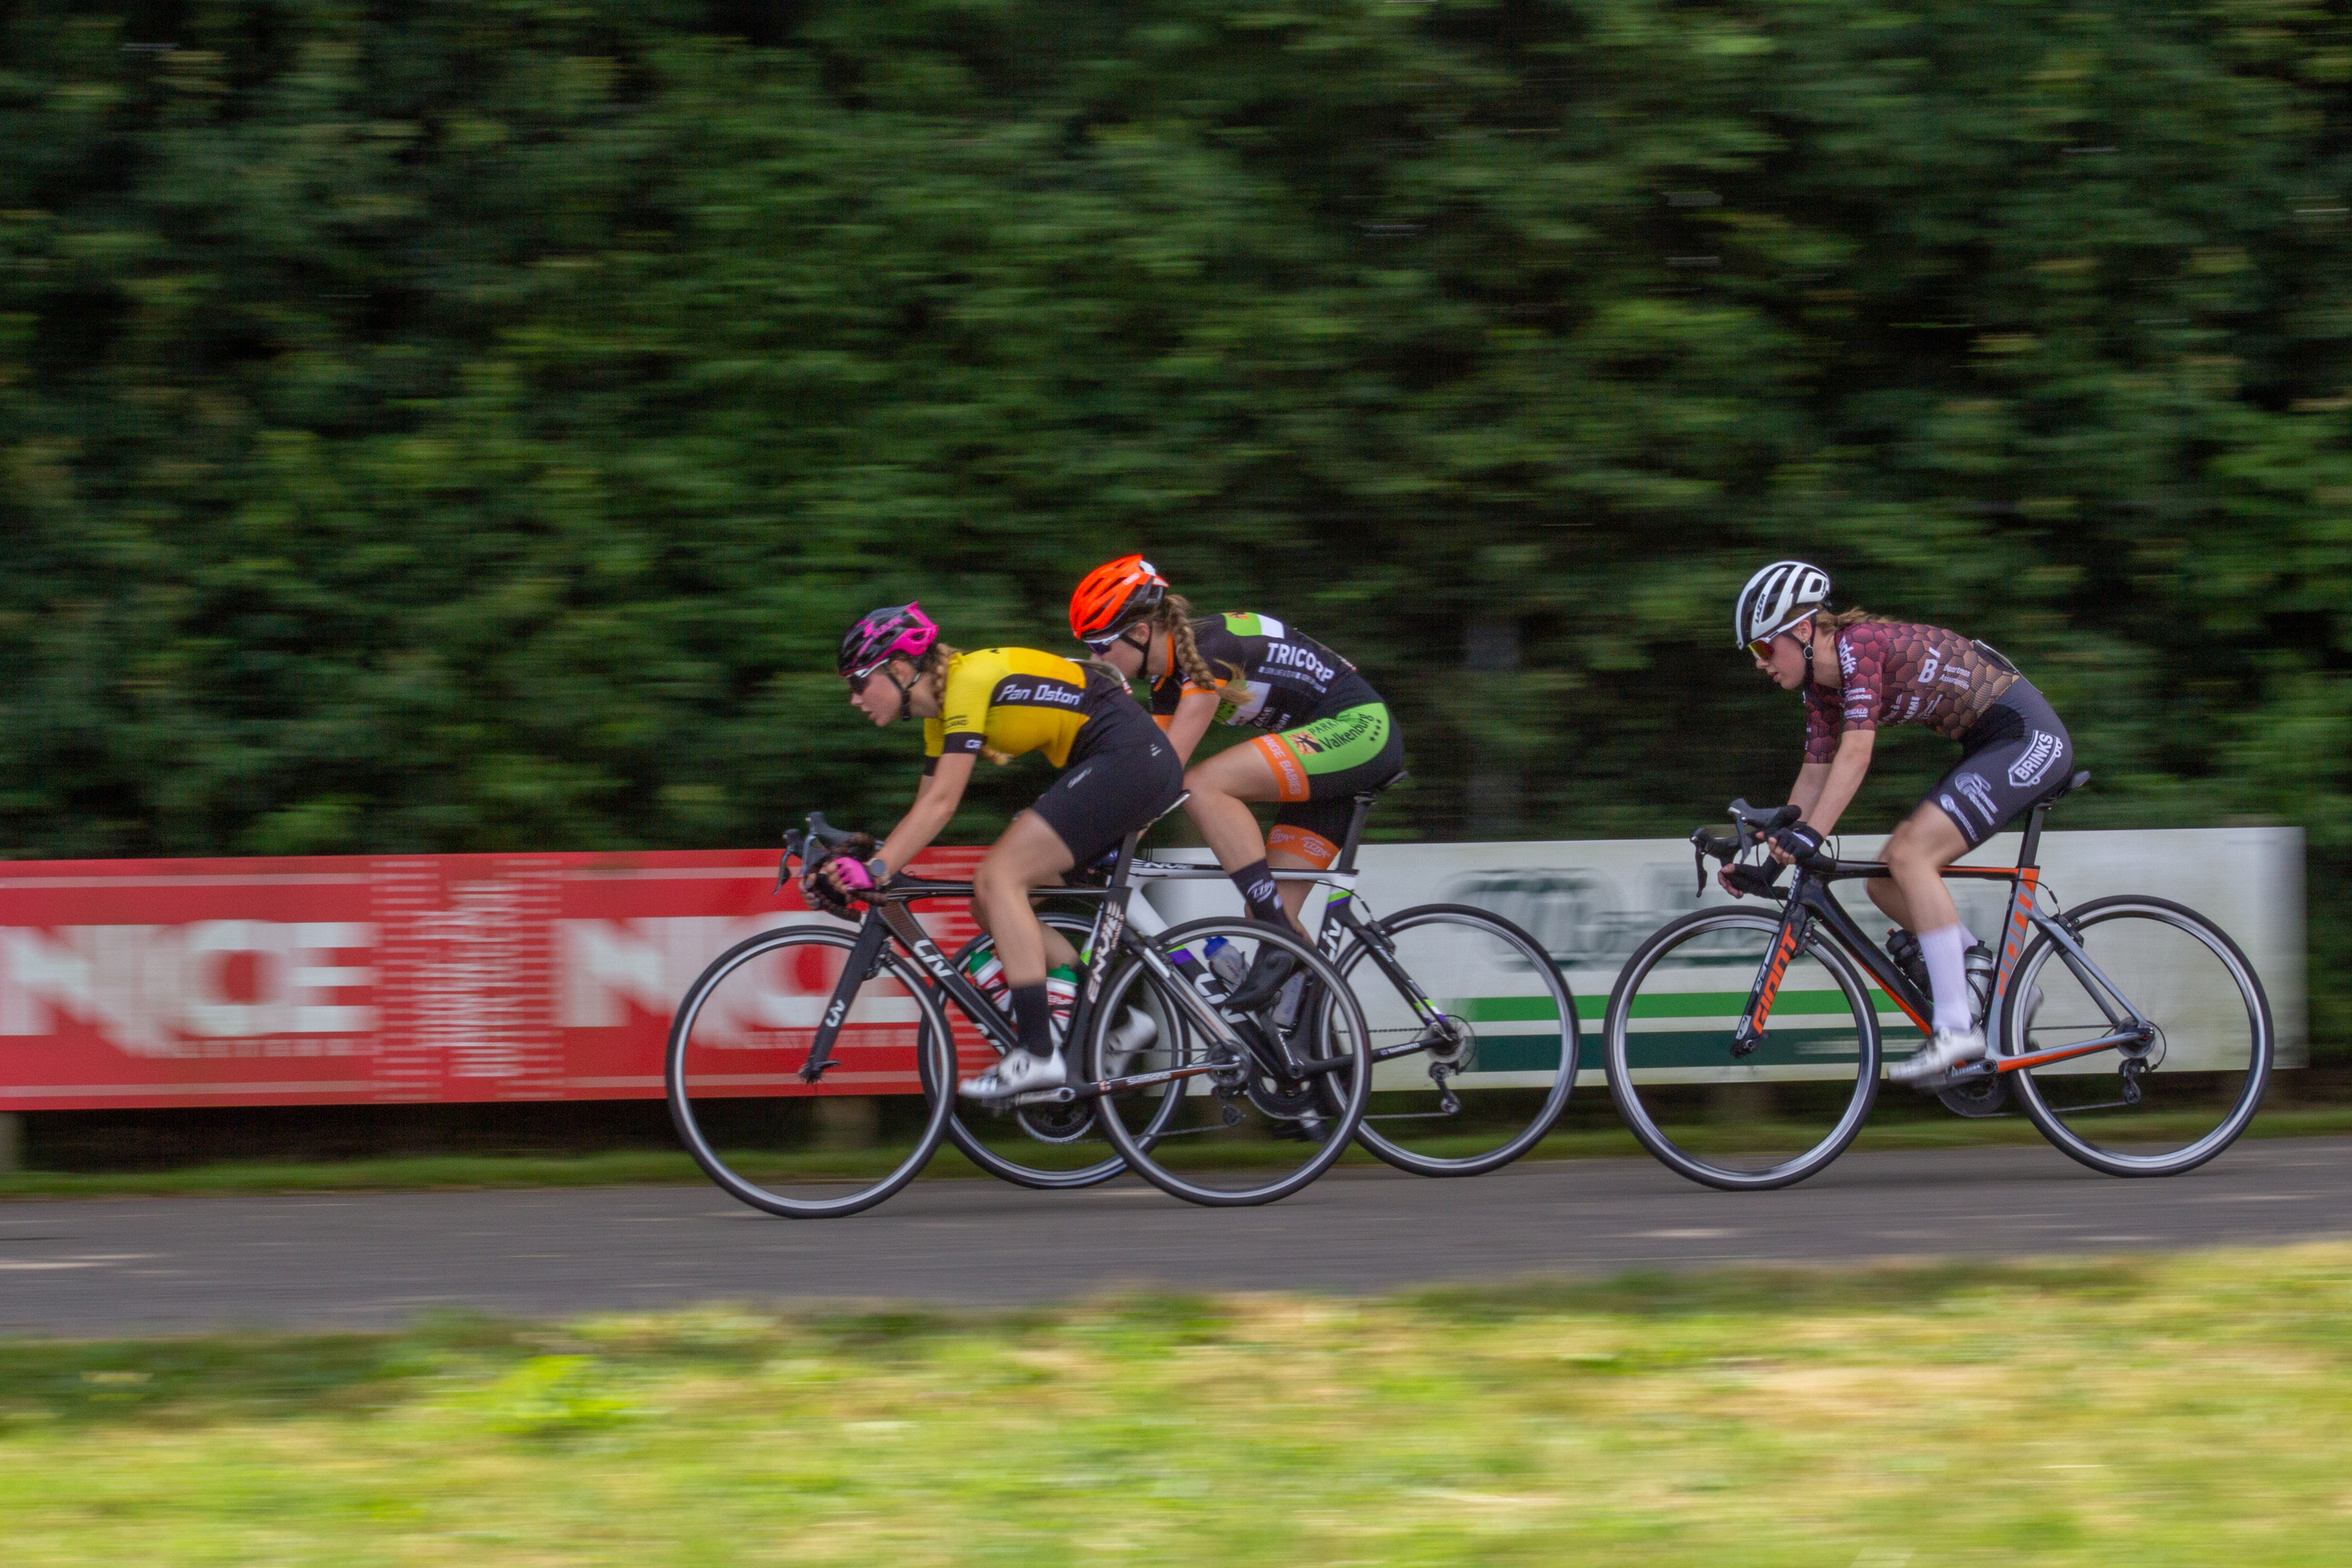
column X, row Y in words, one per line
column 1057, row 1147
column 1497, row 1031
column 1765, row 1119
column 2142, row 1110
column 1238, row 1128
column 739, row 1039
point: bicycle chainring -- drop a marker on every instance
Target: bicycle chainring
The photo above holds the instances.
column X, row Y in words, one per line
column 1057, row 1123
column 1978, row 1097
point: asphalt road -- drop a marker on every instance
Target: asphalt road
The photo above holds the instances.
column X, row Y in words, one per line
column 92, row 1267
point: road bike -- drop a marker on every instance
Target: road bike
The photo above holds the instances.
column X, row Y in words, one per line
column 1475, row 1033
column 1743, row 1045
column 1220, row 1107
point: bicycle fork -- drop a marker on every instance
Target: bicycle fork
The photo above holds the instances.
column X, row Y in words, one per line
column 1794, row 927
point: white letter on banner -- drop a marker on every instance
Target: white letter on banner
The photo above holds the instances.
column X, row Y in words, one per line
column 203, row 947
column 308, row 982
column 37, row 974
column 605, row 961
column 648, row 963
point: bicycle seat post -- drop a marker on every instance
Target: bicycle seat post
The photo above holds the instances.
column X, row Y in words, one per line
column 1345, row 864
column 2032, row 845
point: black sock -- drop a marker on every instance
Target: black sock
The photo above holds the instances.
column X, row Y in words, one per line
column 1261, row 894
column 1033, row 1019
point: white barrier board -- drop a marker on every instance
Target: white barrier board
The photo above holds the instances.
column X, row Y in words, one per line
column 1591, row 902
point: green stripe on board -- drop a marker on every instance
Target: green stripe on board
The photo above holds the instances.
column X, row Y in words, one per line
column 1712, row 1047
column 1517, row 1053
column 1715, row 1004
column 1500, row 1009
column 1666, row 1005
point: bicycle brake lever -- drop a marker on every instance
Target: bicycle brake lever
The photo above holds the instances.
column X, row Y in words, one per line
column 795, row 847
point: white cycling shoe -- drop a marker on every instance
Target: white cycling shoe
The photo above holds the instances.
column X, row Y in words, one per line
column 1947, row 1049
column 1130, row 1035
column 1018, row 1073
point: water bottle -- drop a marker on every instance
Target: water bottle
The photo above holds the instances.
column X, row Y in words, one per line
column 1225, row 962
column 1979, row 961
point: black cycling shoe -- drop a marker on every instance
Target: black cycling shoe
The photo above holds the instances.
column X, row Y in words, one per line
column 1258, row 988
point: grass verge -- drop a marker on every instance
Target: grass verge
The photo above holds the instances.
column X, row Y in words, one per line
column 2135, row 1409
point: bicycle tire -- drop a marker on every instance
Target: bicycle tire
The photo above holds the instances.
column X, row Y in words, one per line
column 993, row 1158
column 1323, row 1111
column 934, row 1055
column 1479, row 964
column 1688, row 1057
column 2158, row 968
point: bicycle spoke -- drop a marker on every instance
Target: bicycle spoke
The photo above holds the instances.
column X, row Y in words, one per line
column 1493, row 1035
column 1772, row 1115
column 2151, row 1107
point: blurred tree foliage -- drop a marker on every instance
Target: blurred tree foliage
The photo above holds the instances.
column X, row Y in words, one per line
column 468, row 425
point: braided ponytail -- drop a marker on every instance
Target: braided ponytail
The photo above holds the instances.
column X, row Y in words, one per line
column 936, row 662
column 1174, row 617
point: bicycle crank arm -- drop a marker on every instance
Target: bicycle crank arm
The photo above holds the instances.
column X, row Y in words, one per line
column 1070, row 1092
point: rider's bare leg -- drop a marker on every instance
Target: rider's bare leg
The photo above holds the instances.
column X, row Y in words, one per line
column 1028, row 853
column 1220, row 790
column 1916, row 897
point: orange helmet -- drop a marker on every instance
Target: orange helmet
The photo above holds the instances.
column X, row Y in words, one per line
column 1113, row 597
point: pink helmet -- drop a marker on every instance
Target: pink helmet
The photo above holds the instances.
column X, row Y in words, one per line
column 894, row 631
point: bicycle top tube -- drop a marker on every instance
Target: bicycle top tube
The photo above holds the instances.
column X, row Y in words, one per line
column 1193, row 871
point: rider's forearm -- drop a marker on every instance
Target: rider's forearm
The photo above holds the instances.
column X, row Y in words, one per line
column 1845, row 781
column 934, row 808
column 1806, row 792
column 1194, row 715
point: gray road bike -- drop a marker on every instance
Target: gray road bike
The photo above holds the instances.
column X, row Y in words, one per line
column 1743, row 1044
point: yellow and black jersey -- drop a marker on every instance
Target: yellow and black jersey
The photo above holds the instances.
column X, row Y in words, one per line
column 1012, row 700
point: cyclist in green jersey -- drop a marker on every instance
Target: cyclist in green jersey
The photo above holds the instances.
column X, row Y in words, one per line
column 1328, row 734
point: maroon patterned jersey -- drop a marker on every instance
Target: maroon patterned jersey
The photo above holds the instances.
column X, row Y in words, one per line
column 1900, row 674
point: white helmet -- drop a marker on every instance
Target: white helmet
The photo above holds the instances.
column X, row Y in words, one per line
column 1777, row 598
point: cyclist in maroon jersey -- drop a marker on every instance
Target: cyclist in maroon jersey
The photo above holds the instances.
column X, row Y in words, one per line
column 1878, row 673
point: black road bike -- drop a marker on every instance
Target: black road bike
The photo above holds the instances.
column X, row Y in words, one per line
column 1743, row 1044
column 1219, row 1107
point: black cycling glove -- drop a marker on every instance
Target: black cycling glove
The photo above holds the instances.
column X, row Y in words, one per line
column 1755, row 880
column 817, row 887
column 1803, row 845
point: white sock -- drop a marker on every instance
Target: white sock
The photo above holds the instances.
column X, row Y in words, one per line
column 1945, row 951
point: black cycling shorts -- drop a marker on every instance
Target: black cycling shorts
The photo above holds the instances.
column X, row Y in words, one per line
column 1321, row 766
column 1125, row 780
column 2015, row 756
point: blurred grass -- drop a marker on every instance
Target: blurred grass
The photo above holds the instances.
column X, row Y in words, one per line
column 444, row 1173
column 2147, row 1410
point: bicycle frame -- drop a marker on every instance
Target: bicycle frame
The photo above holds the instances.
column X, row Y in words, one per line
column 1809, row 901
column 1339, row 916
column 889, row 916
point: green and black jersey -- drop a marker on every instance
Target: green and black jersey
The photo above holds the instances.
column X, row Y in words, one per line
column 1269, row 675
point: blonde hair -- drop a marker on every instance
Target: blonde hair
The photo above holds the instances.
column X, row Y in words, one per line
column 1174, row 618
column 1835, row 621
column 935, row 662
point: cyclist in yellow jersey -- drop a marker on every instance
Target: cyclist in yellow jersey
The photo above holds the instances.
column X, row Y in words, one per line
column 1119, row 774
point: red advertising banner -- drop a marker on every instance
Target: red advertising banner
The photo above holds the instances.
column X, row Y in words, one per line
column 405, row 978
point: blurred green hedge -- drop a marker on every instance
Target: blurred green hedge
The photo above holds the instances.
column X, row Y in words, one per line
column 466, row 425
